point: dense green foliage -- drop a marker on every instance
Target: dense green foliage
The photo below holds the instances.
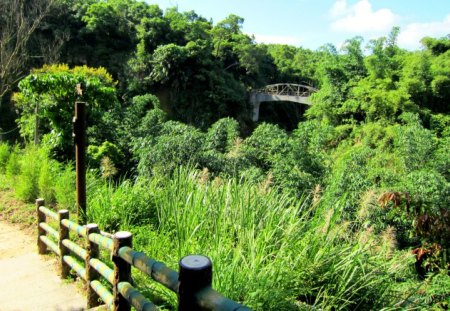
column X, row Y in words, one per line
column 344, row 206
column 52, row 91
column 307, row 255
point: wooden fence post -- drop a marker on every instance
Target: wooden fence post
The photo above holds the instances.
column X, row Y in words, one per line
column 63, row 234
column 122, row 270
column 79, row 132
column 195, row 274
column 42, row 248
column 93, row 300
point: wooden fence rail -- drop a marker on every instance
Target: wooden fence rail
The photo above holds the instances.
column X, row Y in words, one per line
column 192, row 284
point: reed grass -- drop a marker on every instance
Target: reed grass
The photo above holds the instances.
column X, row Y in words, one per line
column 270, row 251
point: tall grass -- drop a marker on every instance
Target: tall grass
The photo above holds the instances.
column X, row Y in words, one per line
column 27, row 187
column 47, row 174
column 269, row 250
column 4, row 155
column 64, row 187
column 262, row 242
column 13, row 163
column 34, row 174
column 117, row 206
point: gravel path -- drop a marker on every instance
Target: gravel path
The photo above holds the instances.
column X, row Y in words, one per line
column 28, row 281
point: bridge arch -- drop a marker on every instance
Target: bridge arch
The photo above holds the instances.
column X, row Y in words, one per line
column 297, row 93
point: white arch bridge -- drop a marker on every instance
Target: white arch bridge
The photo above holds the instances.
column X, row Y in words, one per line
column 297, row 93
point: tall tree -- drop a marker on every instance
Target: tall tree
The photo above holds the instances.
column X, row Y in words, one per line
column 19, row 20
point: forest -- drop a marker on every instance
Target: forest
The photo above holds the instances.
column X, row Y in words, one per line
column 341, row 205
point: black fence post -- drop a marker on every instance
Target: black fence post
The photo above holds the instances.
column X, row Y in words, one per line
column 122, row 270
column 63, row 234
column 195, row 274
column 79, row 134
column 93, row 300
column 42, row 248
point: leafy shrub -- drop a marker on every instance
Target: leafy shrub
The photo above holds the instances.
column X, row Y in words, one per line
column 440, row 86
column 47, row 177
column 428, row 189
column 55, row 89
column 13, row 164
column 4, row 155
column 146, row 132
column 291, row 177
column 106, row 149
column 151, row 124
column 65, row 187
column 440, row 125
column 115, row 207
column 27, row 187
column 222, row 135
column 349, row 176
column 301, row 166
column 177, row 144
column 440, row 159
column 133, row 124
column 413, row 143
column 266, row 141
column 432, row 294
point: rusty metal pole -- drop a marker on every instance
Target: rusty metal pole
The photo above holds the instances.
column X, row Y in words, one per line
column 79, row 131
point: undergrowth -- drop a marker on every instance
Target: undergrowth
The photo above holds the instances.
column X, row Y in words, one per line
column 269, row 250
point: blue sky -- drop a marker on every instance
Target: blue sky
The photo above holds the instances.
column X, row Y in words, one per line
column 312, row 23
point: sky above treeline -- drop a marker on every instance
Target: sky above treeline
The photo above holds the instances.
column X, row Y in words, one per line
column 313, row 23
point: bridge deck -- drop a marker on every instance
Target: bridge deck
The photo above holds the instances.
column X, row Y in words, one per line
column 29, row 281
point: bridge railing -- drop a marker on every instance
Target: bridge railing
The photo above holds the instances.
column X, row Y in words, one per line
column 192, row 284
column 288, row 90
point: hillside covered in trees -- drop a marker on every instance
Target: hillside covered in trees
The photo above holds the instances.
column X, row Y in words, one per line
column 340, row 205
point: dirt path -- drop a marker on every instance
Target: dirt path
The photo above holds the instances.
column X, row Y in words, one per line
column 29, row 281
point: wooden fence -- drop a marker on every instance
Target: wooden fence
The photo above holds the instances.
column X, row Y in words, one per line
column 192, row 283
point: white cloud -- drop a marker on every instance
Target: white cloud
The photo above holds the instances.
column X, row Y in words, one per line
column 361, row 18
column 411, row 34
column 339, row 8
column 290, row 40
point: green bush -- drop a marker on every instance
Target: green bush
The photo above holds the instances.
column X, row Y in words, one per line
column 13, row 164
column 65, row 187
column 349, row 176
column 266, row 141
column 115, row 207
column 4, row 156
column 54, row 87
column 441, row 160
column 414, row 143
column 47, row 179
column 106, row 149
column 27, row 187
column 222, row 135
column 440, row 124
column 177, row 144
